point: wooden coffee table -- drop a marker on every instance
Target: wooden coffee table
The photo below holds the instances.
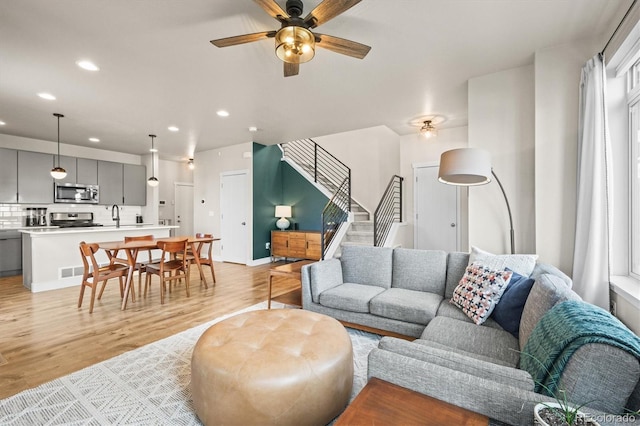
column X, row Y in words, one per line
column 383, row 403
column 290, row 270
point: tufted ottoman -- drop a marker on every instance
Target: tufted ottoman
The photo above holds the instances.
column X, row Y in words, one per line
column 282, row 366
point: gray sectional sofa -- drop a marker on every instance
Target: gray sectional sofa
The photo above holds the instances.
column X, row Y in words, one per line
column 406, row 292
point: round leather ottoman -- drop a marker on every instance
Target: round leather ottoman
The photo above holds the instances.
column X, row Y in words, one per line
column 278, row 366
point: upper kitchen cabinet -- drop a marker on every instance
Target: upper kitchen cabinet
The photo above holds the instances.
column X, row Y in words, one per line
column 110, row 182
column 35, row 184
column 87, row 171
column 8, row 175
column 135, row 185
column 69, row 164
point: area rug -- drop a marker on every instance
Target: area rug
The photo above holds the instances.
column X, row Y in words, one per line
column 146, row 386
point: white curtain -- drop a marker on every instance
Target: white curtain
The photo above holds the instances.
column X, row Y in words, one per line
column 594, row 202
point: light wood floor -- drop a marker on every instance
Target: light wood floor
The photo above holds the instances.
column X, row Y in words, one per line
column 44, row 335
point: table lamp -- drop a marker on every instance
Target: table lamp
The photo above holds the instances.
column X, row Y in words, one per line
column 283, row 212
column 469, row 167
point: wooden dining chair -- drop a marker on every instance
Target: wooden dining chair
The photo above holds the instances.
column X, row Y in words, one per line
column 177, row 268
column 141, row 266
column 208, row 259
column 94, row 274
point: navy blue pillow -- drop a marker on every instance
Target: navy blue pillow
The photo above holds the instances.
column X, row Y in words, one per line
column 508, row 311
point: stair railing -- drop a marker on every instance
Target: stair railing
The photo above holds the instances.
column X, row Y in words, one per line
column 324, row 168
column 334, row 214
column 389, row 210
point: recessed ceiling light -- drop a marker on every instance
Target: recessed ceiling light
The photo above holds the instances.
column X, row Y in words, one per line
column 94, row 139
column 223, row 113
column 253, row 129
column 88, row 65
column 47, row 96
column 173, row 128
column 2, row 123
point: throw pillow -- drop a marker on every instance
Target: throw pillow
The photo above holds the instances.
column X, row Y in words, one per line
column 508, row 312
column 479, row 291
column 520, row 263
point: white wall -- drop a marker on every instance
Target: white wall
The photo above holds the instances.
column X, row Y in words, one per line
column 416, row 150
column 206, row 180
column 557, row 77
column 501, row 121
column 373, row 154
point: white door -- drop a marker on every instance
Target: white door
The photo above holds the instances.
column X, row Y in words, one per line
column 183, row 209
column 436, row 208
column 234, row 192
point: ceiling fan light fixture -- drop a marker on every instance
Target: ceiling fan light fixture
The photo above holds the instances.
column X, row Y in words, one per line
column 428, row 130
column 295, row 44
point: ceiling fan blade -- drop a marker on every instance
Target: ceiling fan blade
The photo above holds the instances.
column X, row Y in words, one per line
column 245, row 38
column 291, row 69
column 343, row 46
column 273, row 9
column 327, row 10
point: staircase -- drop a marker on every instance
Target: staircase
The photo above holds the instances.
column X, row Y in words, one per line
column 327, row 174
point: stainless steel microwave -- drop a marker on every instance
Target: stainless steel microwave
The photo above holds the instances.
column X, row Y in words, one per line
column 76, row 193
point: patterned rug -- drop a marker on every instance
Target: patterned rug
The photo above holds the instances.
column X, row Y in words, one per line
column 146, row 386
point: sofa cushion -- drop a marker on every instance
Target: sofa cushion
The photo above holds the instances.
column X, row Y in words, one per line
column 547, row 291
column 520, row 263
column 323, row 276
column 480, row 290
column 418, row 307
column 432, row 344
column 448, row 310
column 367, row 265
column 420, row 270
column 508, row 311
column 497, row 345
column 457, row 263
column 430, row 353
column 350, row 297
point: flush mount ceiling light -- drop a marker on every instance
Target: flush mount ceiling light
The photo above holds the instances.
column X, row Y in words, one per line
column 428, row 130
column 87, row 65
column 58, row 172
column 190, row 164
column 153, row 180
column 47, row 96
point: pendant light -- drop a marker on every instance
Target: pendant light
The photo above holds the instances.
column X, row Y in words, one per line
column 153, row 180
column 58, row 172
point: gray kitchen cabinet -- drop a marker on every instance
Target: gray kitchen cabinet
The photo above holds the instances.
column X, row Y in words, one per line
column 35, row 184
column 69, row 164
column 135, row 185
column 87, row 171
column 8, row 175
column 110, row 182
column 11, row 249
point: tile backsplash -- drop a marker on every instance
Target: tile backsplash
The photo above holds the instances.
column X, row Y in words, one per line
column 14, row 215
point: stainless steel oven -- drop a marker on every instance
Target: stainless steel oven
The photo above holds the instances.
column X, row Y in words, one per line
column 76, row 193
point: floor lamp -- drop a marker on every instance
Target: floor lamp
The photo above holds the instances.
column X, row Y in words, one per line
column 470, row 167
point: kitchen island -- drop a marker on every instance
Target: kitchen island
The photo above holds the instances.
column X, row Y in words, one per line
column 51, row 257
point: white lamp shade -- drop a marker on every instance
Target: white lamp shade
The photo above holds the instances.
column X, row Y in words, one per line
column 465, row 167
column 283, row 211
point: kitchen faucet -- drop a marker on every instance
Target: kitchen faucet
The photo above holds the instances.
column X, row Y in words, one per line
column 115, row 214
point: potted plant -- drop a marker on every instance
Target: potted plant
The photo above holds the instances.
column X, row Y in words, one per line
column 561, row 413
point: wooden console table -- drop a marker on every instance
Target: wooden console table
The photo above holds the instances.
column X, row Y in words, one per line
column 383, row 403
column 290, row 270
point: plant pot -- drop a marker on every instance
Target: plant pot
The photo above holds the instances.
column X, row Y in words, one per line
column 582, row 419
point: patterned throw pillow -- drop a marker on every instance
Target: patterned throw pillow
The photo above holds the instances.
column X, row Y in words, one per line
column 480, row 290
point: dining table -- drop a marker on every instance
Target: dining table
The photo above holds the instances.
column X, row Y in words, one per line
column 132, row 248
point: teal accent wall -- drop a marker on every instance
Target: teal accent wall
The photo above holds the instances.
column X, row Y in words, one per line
column 276, row 182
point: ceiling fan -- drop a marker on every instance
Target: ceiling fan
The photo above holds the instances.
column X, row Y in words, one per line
column 295, row 43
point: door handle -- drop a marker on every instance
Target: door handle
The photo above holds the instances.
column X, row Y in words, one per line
column 453, row 225
column 244, row 223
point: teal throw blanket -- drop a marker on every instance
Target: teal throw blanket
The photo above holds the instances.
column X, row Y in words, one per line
column 561, row 332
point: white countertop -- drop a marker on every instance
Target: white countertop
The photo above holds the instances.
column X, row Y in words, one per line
column 57, row 231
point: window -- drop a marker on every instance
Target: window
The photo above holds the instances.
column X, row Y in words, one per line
column 633, row 96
